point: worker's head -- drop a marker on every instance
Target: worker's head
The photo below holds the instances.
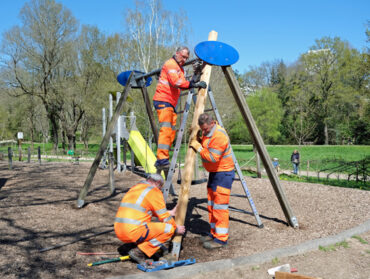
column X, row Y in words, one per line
column 182, row 54
column 206, row 123
column 155, row 180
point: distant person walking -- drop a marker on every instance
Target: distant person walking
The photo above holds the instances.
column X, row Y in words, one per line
column 295, row 161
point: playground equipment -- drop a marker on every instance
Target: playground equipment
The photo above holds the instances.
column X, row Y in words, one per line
column 213, row 53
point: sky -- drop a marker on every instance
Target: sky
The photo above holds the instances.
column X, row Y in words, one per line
column 261, row 31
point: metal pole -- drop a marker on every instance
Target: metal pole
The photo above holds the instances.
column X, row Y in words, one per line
column 118, row 136
column 104, row 121
column 111, row 173
column 110, row 119
column 258, row 141
column 103, row 145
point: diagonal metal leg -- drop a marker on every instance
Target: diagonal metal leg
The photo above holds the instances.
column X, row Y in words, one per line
column 103, row 145
column 237, row 167
column 168, row 183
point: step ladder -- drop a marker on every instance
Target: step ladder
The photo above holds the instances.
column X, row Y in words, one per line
column 168, row 187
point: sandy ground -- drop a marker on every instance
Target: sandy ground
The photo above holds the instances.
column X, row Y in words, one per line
column 37, row 205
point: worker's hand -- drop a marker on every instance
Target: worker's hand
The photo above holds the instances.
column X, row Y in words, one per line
column 200, row 84
column 173, row 211
column 199, row 135
column 180, row 229
column 196, row 145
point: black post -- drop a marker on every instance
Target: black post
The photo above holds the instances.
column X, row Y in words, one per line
column 10, row 157
column 39, row 154
column 150, row 113
column 29, row 155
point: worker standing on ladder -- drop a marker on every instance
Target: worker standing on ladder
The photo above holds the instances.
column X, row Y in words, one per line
column 215, row 151
column 171, row 81
column 133, row 219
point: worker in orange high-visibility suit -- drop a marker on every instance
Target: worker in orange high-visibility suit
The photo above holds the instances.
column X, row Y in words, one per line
column 215, row 151
column 133, row 219
column 171, row 81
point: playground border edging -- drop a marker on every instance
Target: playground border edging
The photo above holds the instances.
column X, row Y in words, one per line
column 222, row 265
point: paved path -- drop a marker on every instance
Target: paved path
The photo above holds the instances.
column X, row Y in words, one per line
column 267, row 256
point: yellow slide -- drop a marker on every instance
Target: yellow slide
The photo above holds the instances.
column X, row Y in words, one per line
column 142, row 152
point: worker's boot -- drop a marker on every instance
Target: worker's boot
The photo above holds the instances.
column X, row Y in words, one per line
column 213, row 245
column 137, row 255
column 205, row 238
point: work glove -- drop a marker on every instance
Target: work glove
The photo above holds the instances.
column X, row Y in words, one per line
column 196, row 145
column 200, row 84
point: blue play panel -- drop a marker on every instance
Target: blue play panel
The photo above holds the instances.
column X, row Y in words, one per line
column 123, row 77
column 216, row 53
column 160, row 265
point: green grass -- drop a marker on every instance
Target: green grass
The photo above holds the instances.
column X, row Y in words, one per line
column 332, row 182
column 334, row 247
column 359, row 238
column 316, row 154
column 275, row 260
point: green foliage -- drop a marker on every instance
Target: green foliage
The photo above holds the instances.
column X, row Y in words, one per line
column 359, row 238
column 275, row 260
column 266, row 109
column 334, row 247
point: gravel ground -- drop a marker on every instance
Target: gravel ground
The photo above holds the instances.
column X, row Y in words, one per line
column 38, row 211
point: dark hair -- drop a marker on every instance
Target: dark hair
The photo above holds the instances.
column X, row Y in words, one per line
column 205, row 118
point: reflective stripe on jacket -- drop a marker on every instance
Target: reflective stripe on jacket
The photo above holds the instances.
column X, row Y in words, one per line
column 137, row 207
column 216, row 154
column 171, row 80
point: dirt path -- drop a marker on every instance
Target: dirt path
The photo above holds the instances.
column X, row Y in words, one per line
column 37, row 207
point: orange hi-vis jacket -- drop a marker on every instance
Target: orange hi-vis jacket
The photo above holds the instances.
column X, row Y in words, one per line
column 171, row 81
column 137, row 207
column 216, row 154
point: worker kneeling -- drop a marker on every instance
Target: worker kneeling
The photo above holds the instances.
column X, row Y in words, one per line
column 133, row 219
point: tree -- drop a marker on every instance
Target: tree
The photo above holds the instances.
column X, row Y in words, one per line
column 154, row 32
column 321, row 63
column 267, row 112
column 36, row 51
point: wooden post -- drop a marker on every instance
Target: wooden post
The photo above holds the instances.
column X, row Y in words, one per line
column 258, row 141
column 258, row 162
column 39, row 154
column 29, row 155
column 111, row 173
column 10, row 157
column 191, row 155
column 149, row 111
column 308, row 167
column 103, row 145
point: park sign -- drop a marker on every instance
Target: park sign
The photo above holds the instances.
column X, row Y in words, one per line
column 20, row 135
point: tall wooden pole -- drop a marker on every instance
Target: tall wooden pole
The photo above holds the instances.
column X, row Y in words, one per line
column 103, row 145
column 258, row 141
column 191, row 155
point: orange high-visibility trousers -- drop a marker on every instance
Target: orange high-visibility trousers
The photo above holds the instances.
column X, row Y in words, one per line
column 167, row 118
column 218, row 212
column 153, row 236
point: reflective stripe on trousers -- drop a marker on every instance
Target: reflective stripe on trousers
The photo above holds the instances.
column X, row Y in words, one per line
column 159, row 233
column 167, row 122
column 218, row 212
